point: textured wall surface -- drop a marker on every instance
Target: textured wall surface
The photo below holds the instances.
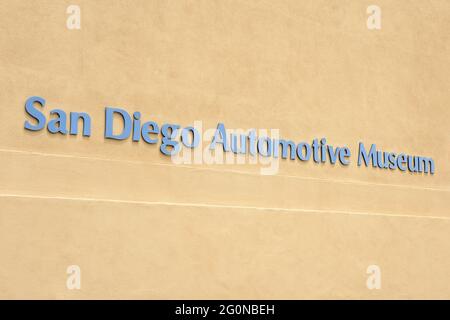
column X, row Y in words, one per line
column 140, row 226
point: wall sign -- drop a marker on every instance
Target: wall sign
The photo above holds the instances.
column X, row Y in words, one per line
column 170, row 137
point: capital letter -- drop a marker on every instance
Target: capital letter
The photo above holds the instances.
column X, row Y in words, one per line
column 35, row 113
column 109, row 124
column 220, row 137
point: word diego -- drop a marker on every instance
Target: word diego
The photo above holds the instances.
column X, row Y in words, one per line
column 171, row 137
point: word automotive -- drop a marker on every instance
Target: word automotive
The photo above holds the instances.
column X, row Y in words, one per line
column 171, row 137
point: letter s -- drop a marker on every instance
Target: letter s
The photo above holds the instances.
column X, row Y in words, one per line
column 35, row 113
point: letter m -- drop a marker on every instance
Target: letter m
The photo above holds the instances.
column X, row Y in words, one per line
column 362, row 154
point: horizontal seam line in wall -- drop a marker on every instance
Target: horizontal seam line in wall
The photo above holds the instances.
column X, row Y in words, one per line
column 219, row 206
column 60, row 155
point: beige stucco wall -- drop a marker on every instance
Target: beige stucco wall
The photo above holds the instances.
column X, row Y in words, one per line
column 140, row 226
